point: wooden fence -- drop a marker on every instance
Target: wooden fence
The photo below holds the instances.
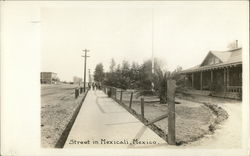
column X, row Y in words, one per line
column 78, row 91
column 112, row 93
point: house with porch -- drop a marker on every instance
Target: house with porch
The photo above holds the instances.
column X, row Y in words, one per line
column 219, row 74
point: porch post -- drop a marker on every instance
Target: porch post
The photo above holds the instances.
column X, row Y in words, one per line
column 212, row 76
column 192, row 80
column 201, row 80
column 227, row 79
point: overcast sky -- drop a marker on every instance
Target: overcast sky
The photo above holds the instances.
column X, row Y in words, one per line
column 181, row 33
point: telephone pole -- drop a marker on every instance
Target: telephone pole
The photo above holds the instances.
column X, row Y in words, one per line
column 152, row 46
column 85, row 64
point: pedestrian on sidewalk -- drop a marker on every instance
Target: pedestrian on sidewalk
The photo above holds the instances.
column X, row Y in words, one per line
column 96, row 85
column 99, row 85
column 93, row 86
column 89, row 85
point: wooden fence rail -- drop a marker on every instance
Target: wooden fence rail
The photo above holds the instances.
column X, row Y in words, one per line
column 142, row 109
column 171, row 88
column 131, row 100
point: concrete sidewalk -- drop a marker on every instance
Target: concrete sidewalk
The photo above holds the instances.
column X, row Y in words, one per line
column 103, row 123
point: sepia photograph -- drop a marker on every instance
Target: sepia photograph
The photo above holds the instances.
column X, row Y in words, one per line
column 155, row 75
column 118, row 78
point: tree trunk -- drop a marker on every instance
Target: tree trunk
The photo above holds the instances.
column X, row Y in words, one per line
column 163, row 92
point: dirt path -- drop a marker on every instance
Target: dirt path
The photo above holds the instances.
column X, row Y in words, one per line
column 228, row 135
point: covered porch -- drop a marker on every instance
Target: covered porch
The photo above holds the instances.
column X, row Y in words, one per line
column 220, row 79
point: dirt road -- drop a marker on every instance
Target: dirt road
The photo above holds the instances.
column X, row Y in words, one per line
column 58, row 104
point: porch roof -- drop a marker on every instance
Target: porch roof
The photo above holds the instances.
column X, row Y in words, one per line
column 228, row 59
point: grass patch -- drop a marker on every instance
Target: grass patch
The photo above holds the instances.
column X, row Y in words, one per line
column 193, row 119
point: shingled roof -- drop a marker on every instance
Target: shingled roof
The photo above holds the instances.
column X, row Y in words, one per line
column 227, row 58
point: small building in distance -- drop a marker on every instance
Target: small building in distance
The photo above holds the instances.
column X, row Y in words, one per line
column 77, row 80
column 48, row 78
column 219, row 74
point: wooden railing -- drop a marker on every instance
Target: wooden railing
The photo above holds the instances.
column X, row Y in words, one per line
column 234, row 89
column 79, row 90
column 112, row 93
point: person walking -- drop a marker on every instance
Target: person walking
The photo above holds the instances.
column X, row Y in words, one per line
column 89, row 85
column 96, row 85
column 93, row 86
column 99, row 85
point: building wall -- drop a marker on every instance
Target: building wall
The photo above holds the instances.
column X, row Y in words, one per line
column 77, row 80
column 211, row 60
column 235, row 76
column 206, row 80
column 48, row 77
column 219, row 80
column 197, row 84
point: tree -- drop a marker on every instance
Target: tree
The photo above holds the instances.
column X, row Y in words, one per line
column 125, row 75
column 112, row 65
column 134, row 75
column 146, row 75
column 99, row 73
column 109, row 79
column 179, row 78
column 162, row 85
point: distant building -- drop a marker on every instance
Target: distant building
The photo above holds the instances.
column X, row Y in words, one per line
column 219, row 74
column 48, row 78
column 77, row 80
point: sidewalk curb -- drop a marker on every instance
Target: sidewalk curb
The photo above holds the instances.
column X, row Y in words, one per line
column 61, row 141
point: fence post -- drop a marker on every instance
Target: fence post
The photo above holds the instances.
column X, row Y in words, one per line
column 121, row 97
column 142, row 108
column 76, row 92
column 171, row 87
column 112, row 92
column 115, row 93
column 109, row 92
column 131, row 98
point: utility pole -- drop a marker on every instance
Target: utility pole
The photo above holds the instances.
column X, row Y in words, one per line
column 152, row 46
column 85, row 64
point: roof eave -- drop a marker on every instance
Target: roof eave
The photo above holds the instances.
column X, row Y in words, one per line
column 204, row 68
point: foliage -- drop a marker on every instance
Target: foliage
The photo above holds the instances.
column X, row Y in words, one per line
column 180, row 79
column 99, row 73
column 140, row 77
column 112, row 66
column 145, row 75
column 161, row 87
